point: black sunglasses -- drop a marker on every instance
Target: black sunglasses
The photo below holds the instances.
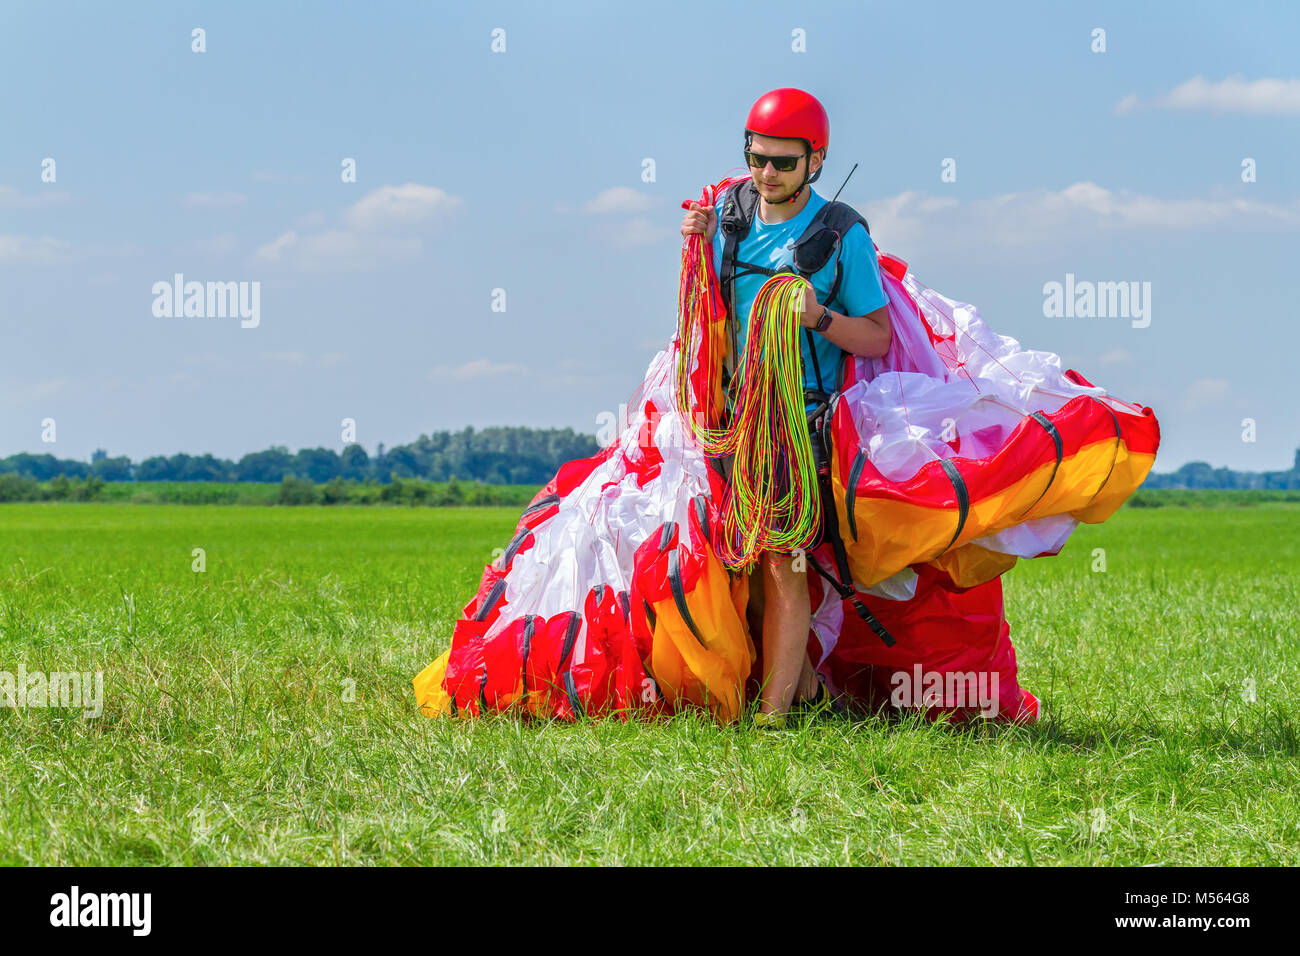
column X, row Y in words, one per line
column 782, row 164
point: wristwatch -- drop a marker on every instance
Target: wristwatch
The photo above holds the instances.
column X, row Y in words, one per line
column 825, row 321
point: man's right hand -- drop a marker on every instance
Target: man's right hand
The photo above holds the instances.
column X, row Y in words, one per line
column 700, row 220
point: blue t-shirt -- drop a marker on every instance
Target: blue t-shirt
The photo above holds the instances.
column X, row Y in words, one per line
column 772, row 245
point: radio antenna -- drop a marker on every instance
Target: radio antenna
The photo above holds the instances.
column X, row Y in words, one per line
column 843, row 184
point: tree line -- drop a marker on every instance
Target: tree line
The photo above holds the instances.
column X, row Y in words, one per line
column 494, row 456
column 1200, row 474
column 290, row 491
column 498, row 456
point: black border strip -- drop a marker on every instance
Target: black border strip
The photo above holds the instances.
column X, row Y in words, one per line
column 851, row 492
column 570, row 637
column 493, row 596
column 679, row 596
column 963, row 497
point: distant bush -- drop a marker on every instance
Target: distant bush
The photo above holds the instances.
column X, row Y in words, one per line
column 297, row 491
column 1209, row 497
column 63, row 488
column 334, row 492
column 19, row 488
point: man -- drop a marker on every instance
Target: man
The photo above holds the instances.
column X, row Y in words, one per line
column 786, row 137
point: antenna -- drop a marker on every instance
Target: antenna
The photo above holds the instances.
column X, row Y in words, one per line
column 843, row 184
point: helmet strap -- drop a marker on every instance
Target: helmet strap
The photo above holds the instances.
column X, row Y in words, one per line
column 807, row 155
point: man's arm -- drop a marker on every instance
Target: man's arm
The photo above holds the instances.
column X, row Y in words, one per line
column 867, row 335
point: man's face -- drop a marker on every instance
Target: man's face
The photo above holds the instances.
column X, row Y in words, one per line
column 773, row 185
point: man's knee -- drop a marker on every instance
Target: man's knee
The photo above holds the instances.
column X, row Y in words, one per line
column 784, row 582
column 778, row 564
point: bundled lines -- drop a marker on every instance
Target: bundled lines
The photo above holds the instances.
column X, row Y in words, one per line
column 772, row 501
column 701, row 337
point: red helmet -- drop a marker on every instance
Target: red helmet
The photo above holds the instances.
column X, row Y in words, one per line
column 788, row 113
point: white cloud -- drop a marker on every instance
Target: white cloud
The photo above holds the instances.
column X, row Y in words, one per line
column 274, row 251
column 1127, row 104
column 299, row 359
column 270, row 176
column 187, row 379
column 475, row 368
column 213, row 200
column 216, row 247
column 396, row 206
column 45, row 250
column 640, row 232
column 367, row 240
column 1236, row 94
column 573, row 373
column 1044, row 215
column 620, row 199
column 338, row 249
column 623, row 201
column 284, row 358
column 210, row 359
column 1205, row 392
column 32, row 249
column 16, row 395
column 13, row 199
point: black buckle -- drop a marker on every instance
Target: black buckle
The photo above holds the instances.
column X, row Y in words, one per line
column 872, row 623
column 819, row 426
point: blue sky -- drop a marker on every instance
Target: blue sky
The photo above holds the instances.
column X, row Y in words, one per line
column 522, row 171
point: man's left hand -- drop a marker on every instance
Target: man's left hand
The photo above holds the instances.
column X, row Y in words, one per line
column 811, row 310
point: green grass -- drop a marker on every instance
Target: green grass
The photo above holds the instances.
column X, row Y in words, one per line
column 229, row 732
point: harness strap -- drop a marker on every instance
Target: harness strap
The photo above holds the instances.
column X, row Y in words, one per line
column 845, row 590
column 812, row 350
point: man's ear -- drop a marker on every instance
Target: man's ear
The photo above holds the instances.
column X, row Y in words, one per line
column 821, row 158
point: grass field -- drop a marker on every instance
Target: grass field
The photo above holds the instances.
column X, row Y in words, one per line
column 261, row 711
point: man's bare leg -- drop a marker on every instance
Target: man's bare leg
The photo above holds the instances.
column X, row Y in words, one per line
column 787, row 674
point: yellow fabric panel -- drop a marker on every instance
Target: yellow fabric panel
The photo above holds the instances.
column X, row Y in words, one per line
column 692, row 672
column 432, row 700
column 1130, row 471
column 1005, row 507
column 729, row 636
column 504, row 701
column 893, row 534
column 711, row 675
column 972, row 564
column 666, row 664
column 1078, row 480
column 538, row 702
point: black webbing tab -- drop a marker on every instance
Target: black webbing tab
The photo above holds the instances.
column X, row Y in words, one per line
column 844, row 586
